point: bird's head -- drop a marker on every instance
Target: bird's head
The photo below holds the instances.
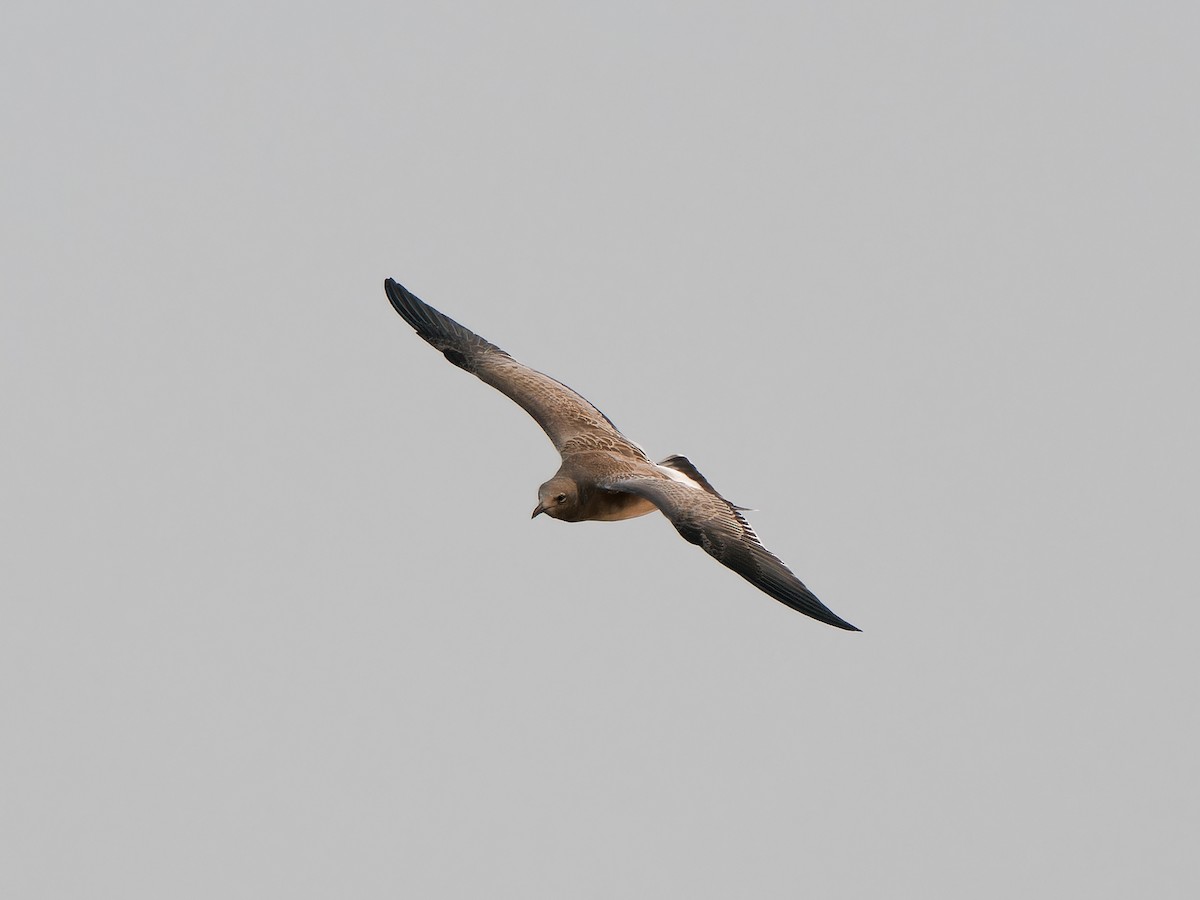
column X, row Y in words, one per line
column 558, row 498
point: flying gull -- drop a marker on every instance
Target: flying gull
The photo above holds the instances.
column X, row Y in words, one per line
column 606, row 477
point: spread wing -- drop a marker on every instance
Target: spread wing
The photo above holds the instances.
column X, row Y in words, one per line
column 567, row 418
column 706, row 518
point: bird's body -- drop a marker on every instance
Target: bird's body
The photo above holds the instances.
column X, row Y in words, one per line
column 595, row 504
column 606, row 477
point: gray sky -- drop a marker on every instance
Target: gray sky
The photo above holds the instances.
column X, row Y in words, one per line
column 917, row 281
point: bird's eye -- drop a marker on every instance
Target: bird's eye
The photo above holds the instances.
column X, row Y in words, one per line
column 561, row 498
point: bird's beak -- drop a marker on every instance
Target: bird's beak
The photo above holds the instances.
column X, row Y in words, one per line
column 538, row 511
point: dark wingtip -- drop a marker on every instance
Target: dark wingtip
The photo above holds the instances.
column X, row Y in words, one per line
column 392, row 289
column 457, row 343
column 414, row 310
column 808, row 603
column 396, row 294
column 829, row 617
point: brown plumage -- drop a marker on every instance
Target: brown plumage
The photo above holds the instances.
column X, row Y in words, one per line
column 606, row 477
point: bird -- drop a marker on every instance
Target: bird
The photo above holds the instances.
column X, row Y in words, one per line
column 606, row 477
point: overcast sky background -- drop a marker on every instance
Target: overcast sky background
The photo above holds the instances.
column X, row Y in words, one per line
column 916, row 281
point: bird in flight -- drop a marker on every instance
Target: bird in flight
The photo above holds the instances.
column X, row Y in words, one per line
column 606, row 477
